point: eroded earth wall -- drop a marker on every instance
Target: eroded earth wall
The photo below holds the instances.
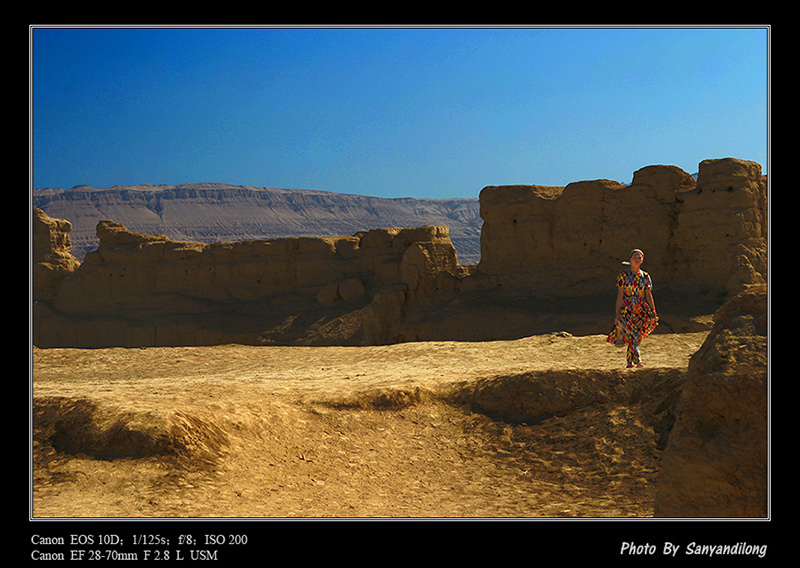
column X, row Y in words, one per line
column 709, row 235
column 539, row 245
column 716, row 460
column 147, row 290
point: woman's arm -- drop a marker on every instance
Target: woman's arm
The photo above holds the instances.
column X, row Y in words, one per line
column 651, row 301
column 619, row 303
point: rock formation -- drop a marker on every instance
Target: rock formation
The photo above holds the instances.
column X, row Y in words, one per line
column 715, row 462
column 549, row 260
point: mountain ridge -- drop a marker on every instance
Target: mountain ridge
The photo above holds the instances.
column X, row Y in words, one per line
column 217, row 211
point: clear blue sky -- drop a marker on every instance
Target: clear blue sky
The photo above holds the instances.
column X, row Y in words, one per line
column 391, row 112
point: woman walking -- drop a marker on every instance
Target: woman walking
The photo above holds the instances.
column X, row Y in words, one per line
column 636, row 315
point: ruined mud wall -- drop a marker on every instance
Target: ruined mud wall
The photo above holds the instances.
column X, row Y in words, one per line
column 710, row 235
column 51, row 255
column 550, row 257
column 147, row 290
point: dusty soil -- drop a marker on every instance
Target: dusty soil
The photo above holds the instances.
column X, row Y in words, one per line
column 546, row 426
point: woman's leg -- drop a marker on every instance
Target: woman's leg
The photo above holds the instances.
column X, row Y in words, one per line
column 632, row 355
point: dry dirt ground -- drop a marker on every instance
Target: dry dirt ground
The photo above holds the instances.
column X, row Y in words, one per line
column 545, row 426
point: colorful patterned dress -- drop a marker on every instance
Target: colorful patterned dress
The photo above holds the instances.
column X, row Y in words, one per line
column 637, row 319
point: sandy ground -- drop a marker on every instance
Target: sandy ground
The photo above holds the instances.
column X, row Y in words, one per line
column 401, row 431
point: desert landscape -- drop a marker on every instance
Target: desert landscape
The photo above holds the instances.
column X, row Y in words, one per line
column 375, row 376
column 435, row 429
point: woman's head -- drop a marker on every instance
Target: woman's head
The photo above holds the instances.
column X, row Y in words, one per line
column 635, row 258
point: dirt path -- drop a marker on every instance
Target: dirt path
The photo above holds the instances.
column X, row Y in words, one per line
column 319, row 432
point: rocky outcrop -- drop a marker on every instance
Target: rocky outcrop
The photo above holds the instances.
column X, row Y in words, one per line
column 705, row 237
column 715, row 462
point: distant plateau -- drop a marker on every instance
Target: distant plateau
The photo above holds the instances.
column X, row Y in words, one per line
column 218, row 212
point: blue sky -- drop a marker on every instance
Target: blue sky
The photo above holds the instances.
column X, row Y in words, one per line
column 395, row 112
